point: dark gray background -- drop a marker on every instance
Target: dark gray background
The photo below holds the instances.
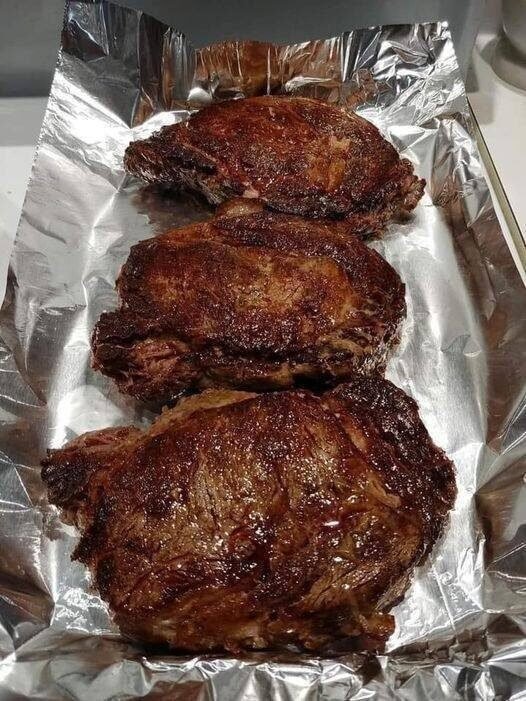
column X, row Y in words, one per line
column 30, row 29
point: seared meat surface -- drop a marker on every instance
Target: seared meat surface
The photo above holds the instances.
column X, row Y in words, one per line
column 297, row 155
column 250, row 299
column 242, row 521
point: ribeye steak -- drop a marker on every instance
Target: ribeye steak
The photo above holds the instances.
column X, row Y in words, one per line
column 242, row 521
column 250, row 299
column 297, row 155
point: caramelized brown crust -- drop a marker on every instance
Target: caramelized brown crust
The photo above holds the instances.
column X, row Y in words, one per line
column 297, row 155
column 383, row 423
column 254, row 521
column 250, row 299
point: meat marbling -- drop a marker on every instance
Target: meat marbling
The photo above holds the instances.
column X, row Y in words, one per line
column 243, row 521
column 251, row 299
column 297, row 155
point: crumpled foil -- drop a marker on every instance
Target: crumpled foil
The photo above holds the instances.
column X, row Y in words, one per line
column 120, row 75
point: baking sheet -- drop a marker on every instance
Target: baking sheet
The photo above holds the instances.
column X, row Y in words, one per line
column 120, row 75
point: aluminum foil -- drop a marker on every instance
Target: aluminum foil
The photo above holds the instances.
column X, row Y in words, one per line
column 120, row 75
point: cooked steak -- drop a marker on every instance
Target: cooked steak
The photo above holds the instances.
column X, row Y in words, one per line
column 255, row 521
column 250, row 299
column 297, row 155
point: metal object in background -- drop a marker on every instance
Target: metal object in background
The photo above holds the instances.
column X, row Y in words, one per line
column 514, row 24
column 509, row 53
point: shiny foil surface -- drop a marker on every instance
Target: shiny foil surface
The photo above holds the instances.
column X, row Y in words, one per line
column 460, row 631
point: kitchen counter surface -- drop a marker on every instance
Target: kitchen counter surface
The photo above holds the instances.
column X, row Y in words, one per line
column 500, row 110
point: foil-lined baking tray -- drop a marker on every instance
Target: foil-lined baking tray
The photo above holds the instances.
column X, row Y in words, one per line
column 120, row 75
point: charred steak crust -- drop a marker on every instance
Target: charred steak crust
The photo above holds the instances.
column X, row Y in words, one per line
column 250, row 299
column 242, row 521
column 297, row 155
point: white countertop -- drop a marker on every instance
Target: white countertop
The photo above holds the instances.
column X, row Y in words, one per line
column 20, row 120
column 500, row 111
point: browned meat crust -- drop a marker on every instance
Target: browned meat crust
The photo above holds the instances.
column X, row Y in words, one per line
column 250, row 299
column 242, row 521
column 297, row 155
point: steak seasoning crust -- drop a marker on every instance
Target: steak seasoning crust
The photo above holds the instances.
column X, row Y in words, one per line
column 251, row 299
column 242, row 521
column 295, row 154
